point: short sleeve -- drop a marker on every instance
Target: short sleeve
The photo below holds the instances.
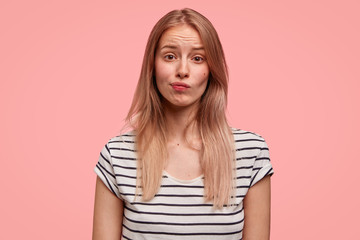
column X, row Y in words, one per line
column 105, row 170
column 262, row 165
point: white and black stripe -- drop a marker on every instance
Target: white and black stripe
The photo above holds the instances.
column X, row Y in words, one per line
column 178, row 210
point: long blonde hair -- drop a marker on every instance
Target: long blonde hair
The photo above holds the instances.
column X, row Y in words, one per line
column 146, row 115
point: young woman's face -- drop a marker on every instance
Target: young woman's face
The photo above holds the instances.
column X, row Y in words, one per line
column 181, row 70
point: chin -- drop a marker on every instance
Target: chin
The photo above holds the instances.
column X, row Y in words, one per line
column 180, row 103
column 183, row 104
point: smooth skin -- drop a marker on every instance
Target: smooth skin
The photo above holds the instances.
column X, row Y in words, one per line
column 257, row 211
column 108, row 214
column 180, row 57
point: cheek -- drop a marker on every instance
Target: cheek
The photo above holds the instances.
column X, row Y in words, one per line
column 205, row 71
column 162, row 70
column 204, row 75
column 203, row 81
column 161, row 76
column 205, row 78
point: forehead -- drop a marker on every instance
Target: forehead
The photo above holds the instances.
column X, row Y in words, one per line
column 182, row 34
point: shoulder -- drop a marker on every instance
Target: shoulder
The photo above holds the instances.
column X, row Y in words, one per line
column 243, row 136
column 252, row 159
column 128, row 137
column 248, row 143
column 123, row 142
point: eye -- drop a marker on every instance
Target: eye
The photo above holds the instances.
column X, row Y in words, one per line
column 198, row 59
column 169, row 57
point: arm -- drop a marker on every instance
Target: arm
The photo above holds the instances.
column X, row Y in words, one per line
column 108, row 214
column 257, row 211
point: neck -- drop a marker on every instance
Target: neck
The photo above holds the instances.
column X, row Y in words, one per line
column 177, row 121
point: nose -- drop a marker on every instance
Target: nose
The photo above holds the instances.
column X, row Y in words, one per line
column 183, row 69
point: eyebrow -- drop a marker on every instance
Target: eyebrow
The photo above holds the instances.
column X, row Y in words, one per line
column 175, row 47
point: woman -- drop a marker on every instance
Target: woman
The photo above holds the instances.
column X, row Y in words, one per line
column 182, row 172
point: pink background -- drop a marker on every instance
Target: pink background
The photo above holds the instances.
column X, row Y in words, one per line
column 68, row 71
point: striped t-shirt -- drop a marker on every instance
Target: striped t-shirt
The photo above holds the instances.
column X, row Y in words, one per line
column 178, row 210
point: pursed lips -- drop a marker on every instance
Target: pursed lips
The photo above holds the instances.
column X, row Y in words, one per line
column 179, row 84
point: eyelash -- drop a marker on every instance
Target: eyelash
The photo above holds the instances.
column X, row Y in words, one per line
column 166, row 56
column 170, row 55
column 202, row 59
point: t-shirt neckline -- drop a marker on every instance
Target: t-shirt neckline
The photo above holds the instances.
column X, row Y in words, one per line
column 183, row 181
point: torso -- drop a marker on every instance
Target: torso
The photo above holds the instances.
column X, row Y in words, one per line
column 178, row 211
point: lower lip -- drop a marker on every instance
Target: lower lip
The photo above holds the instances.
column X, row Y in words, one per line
column 179, row 88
